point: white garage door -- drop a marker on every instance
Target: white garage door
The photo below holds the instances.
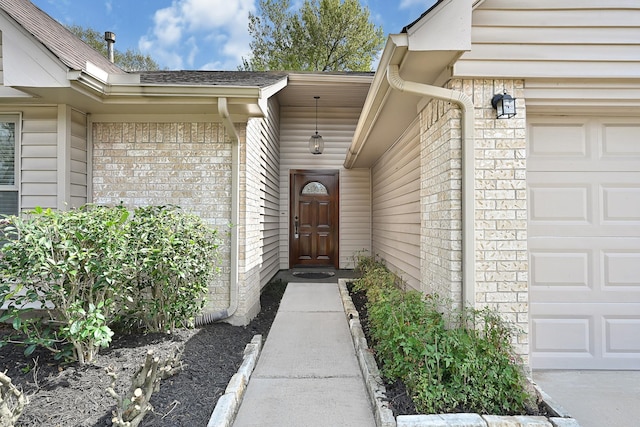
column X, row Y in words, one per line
column 583, row 179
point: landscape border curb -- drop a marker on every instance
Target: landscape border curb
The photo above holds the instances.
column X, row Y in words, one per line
column 226, row 408
column 384, row 416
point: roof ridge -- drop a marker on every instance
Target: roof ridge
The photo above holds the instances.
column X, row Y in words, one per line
column 66, row 46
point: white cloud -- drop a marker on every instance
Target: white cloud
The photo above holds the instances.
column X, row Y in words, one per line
column 191, row 31
column 108, row 5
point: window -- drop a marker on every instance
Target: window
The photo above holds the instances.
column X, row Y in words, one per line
column 314, row 187
column 9, row 134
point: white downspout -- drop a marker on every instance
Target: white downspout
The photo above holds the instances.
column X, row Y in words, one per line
column 468, row 159
column 223, row 110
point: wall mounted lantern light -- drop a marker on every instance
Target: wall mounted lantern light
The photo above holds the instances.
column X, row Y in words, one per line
column 316, row 143
column 504, row 104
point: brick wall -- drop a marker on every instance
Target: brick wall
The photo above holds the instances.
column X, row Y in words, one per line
column 501, row 206
column 501, row 276
column 441, row 223
column 187, row 164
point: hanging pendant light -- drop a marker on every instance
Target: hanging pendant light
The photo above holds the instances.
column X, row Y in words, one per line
column 316, row 143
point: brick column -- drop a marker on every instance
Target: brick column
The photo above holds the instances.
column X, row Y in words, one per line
column 500, row 207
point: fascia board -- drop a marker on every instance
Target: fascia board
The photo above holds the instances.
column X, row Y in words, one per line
column 395, row 49
column 326, row 79
column 268, row 92
column 247, row 99
column 183, row 90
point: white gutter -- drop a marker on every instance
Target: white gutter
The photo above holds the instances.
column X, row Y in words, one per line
column 468, row 159
column 223, row 110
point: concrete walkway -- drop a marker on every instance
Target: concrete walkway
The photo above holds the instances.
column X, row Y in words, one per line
column 307, row 374
column 595, row 398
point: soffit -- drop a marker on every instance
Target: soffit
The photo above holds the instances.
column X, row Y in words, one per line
column 394, row 111
column 347, row 90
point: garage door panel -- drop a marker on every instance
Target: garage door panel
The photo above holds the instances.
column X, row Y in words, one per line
column 583, row 144
column 620, row 140
column 569, row 335
column 554, row 202
column 622, row 336
column 585, row 336
column 584, row 270
column 584, row 203
column 543, row 139
column 621, row 203
column 621, row 270
column 561, row 268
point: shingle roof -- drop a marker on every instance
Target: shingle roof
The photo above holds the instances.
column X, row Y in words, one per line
column 212, row 78
column 406, row 28
column 72, row 51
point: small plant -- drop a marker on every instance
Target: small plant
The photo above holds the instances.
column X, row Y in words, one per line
column 450, row 361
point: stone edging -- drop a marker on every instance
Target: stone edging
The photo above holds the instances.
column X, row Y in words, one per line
column 226, row 408
column 384, row 416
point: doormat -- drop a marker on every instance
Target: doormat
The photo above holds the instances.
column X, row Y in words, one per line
column 314, row 274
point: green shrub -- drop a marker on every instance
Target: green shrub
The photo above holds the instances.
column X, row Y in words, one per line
column 174, row 256
column 69, row 264
column 450, row 361
column 69, row 276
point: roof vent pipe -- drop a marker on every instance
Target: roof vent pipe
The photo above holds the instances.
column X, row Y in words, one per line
column 110, row 38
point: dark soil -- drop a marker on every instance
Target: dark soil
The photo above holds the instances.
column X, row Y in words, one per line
column 74, row 396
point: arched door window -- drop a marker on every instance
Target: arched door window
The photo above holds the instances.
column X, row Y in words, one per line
column 314, row 188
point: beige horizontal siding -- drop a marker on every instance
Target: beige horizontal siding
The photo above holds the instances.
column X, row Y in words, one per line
column 38, row 159
column 355, row 216
column 569, row 38
column 396, row 207
column 336, row 125
column 79, row 160
column 263, row 136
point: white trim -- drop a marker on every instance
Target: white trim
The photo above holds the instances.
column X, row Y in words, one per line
column 89, row 158
column 63, row 196
column 156, row 118
column 15, row 118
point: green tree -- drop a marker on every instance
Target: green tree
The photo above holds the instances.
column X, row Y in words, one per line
column 323, row 35
column 131, row 60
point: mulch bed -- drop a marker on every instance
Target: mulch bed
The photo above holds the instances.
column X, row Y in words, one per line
column 396, row 392
column 70, row 395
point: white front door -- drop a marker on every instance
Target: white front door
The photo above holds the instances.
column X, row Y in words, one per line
column 583, row 178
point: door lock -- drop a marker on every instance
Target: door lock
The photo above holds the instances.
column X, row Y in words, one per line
column 295, row 225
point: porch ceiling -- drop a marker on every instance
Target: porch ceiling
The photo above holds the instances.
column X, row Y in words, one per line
column 334, row 89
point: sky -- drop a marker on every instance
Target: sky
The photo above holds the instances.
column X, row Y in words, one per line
column 197, row 34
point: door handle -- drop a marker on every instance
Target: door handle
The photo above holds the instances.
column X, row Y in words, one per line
column 295, row 225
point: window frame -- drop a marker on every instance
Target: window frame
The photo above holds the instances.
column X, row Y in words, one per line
column 16, row 119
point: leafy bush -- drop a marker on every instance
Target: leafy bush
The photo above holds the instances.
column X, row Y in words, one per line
column 174, row 254
column 71, row 266
column 450, row 361
column 69, row 276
